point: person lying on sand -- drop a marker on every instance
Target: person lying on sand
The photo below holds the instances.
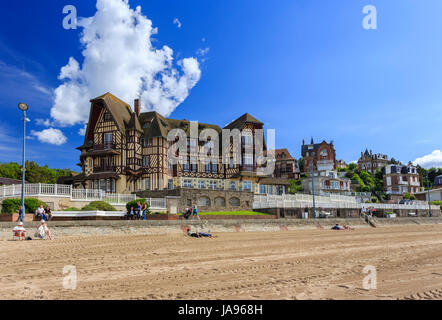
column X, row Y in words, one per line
column 338, row 227
column 199, row 234
column 43, row 231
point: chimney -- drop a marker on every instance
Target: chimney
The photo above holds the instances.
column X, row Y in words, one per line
column 137, row 106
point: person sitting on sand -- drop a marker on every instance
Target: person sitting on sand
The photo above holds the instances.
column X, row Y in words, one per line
column 43, row 230
column 19, row 231
column 336, row 227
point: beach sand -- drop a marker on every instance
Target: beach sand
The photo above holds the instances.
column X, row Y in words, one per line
column 302, row 264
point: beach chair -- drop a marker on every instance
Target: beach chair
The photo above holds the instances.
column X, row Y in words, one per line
column 18, row 234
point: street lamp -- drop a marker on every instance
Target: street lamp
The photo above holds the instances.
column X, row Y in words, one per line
column 312, row 154
column 23, row 107
column 428, row 192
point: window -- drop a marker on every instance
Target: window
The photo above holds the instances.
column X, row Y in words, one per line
column 186, row 167
column 170, row 184
column 220, row 202
column 107, row 116
column 147, row 184
column 201, row 184
column 212, row 184
column 231, row 165
column 207, row 167
column 234, row 202
column 204, row 201
column 232, row 186
column 146, row 161
column 214, row 168
column 193, row 167
column 247, row 159
column 247, row 138
column 247, row 186
column 107, row 138
column 262, row 188
column 187, row 183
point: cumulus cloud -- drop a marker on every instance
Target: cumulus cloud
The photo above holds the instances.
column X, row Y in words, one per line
column 44, row 122
column 433, row 159
column 119, row 57
column 177, row 22
column 51, row 136
column 82, row 131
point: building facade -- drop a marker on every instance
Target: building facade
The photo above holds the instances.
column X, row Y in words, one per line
column 371, row 162
column 285, row 165
column 126, row 151
column 321, row 155
column 401, row 179
column 437, row 182
column 328, row 181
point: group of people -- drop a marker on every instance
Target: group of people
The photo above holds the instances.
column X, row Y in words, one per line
column 370, row 211
column 44, row 213
column 42, row 231
column 193, row 211
column 138, row 213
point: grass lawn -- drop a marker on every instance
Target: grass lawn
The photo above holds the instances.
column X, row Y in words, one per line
column 233, row 213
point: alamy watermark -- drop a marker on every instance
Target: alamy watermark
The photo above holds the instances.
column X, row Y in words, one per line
column 369, row 22
column 70, row 20
column 70, row 279
column 370, row 281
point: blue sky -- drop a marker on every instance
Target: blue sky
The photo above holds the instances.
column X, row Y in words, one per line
column 305, row 68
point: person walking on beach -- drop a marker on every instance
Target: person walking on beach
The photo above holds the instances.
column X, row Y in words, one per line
column 195, row 212
column 363, row 211
column 21, row 215
column 144, row 209
column 138, row 210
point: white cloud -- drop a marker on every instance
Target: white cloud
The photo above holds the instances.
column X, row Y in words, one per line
column 433, row 159
column 203, row 52
column 44, row 122
column 119, row 57
column 51, row 136
column 82, row 131
column 177, row 22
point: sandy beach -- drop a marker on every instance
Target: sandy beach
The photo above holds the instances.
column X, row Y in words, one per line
column 287, row 264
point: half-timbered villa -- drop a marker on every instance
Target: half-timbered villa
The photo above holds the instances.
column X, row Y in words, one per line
column 126, row 151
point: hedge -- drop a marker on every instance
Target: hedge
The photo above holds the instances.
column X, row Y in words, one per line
column 13, row 205
column 98, row 206
column 134, row 203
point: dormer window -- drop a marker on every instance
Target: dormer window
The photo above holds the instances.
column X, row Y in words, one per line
column 107, row 116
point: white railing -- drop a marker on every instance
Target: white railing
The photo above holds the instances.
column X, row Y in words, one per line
column 335, row 202
column 158, row 203
column 60, row 190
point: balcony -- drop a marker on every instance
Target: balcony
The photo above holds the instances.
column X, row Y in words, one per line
column 104, row 169
column 104, row 146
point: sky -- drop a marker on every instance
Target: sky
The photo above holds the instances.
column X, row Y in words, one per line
column 306, row 68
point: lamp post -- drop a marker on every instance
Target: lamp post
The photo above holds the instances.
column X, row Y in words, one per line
column 312, row 154
column 23, row 107
column 428, row 193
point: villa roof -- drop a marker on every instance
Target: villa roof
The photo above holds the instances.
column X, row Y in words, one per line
column 283, row 154
column 239, row 123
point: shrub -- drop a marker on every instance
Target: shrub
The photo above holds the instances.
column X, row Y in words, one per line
column 98, row 206
column 71, row 209
column 409, row 196
column 13, row 205
column 133, row 204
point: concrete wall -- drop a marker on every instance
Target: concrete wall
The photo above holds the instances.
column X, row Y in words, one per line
column 220, row 200
column 347, row 213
